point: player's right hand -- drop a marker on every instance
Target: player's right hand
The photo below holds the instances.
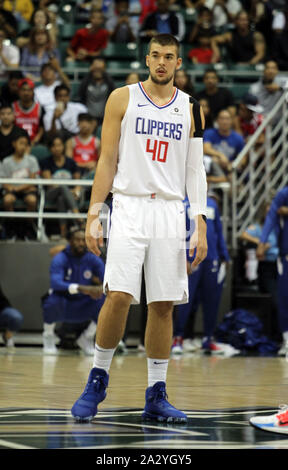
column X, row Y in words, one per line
column 94, row 235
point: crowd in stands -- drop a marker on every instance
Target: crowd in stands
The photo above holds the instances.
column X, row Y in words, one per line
column 48, row 130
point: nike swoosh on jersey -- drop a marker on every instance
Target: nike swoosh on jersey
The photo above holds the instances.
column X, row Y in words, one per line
column 141, row 105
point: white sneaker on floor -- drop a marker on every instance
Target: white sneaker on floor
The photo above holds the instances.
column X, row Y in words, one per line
column 191, row 345
column 273, row 422
column 49, row 344
column 9, row 342
column 121, row 348
column 283, row 351
column 86, row 344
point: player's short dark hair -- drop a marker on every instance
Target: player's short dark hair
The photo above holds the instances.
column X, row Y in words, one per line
column 165, row 40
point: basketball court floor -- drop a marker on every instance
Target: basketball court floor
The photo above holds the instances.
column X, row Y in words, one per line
column 219, row 394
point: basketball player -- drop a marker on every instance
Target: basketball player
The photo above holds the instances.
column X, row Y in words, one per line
column 151, row 150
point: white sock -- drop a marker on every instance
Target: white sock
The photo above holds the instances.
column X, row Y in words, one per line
column 90, row 331
column 157, row 370
column 48, row 328
column 285, row 336
column 103, row 358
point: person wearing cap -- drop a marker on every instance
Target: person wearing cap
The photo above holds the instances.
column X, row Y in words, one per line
column 249, row 117
column 29, row 113
column 76, row 292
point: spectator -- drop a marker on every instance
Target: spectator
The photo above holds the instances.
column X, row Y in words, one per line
column 202, row 53
column 245, row 46
column 51, row 76
column 131, row 78
column 223, row 144
column 10, row 89
column 8, row 21
column 10, row 320
column 162, row 21
column 63, row 116
column 76, row 293
column 207, row 277
column 204, row 103
column 58, row 166
column 183, row 81
column 8, row 131
column 89, row 42
column 218, row 98
column 28, row 113
column 84, row 148
column 22, row 9
column 224, row 12
column 39, row 20
column 20, row 165
column 95, row 89
column 203, row 25
column 122, row 27
column 269, row 88
column 249, row 118
column 38, row 51
column 9, row 54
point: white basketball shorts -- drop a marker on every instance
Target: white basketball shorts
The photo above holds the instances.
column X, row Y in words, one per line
column 147, row 232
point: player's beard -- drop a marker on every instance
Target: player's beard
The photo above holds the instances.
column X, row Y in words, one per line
column 163, row 81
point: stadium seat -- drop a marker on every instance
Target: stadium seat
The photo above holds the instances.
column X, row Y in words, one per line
column 40, row 152
column 120, row 51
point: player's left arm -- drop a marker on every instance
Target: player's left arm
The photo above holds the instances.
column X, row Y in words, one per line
column 196, row 184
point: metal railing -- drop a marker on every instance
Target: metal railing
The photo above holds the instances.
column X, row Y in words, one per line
column 266, row 170
column 41, row 214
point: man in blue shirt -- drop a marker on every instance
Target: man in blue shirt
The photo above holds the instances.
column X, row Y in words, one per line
column 76, row 292
column 277, row 220
column 223, row 144
column 206, row 281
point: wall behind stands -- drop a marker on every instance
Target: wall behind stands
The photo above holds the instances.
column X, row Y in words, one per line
column 24, row 277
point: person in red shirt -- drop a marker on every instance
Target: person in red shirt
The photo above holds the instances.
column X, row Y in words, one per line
column 84, row 148
column 88, row 42
column 202, row 53
column 28, row 113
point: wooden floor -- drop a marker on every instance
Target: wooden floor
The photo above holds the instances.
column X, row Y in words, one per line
column 38, row 391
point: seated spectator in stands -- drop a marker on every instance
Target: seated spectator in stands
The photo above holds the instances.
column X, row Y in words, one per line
column 89, row 42
column 202, row 53
column 9, row 55
column 39, row 20
column 95, row 89
column 183, row 81
column 38, row 51
column 162, row 21
column 20, row 165
column 28, row 113
column 217, row 97
column 204, row 24
column 244, row 45
column 51, row 76
column 204, row 103
column 223, row 144
column 8, row 22
column 58, row 166
column 224, row 12
column 8, row 131
column 269, row 88
column 249, row 117
column 10, row 320
column 76, row 293
column 122, row 27
column 10, row 89
column 63, row 116
column 84, row 148
column 214, row 173
column 131, row 78
column 21, row 9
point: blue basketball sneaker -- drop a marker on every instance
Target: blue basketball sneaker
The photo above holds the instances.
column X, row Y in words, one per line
column 85, row 408
column 157, row 407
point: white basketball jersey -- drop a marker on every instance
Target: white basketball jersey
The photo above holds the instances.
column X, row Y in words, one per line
column 153, row 146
